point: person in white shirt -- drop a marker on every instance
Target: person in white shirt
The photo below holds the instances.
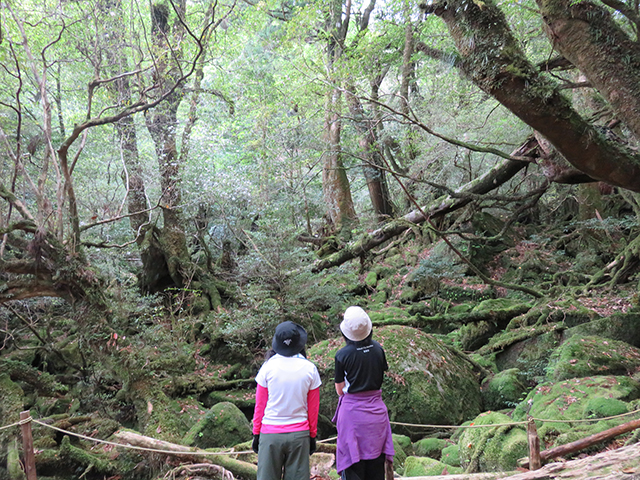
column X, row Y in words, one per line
column 285, row 419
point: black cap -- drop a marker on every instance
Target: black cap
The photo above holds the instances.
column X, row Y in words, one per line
column 289, row 339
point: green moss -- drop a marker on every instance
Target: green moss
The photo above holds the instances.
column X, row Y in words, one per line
column 621, row 326
column 243, row 398
column 425, row 466
column 429, row 447
column 585, row 356
column 11, row 404
column 578, row 399
column 222, row 426
column 451, row 455
column 399, row 456
column 504, row 390
column 79, row 457
column 601, row 407
column 492, row 449
column 14, row 465
column 404, row 442
column 372, row 279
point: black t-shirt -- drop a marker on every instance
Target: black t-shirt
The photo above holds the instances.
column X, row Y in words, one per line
column 362, row 365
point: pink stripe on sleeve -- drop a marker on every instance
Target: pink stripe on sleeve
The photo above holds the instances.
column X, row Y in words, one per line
column 313, row 407
column 262, row 396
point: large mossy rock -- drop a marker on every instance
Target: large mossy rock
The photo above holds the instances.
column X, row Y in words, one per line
column 427, row 383
column 578, row 399
column 430, row 447
column 621, row 326
column 530, row 356
column 504, row 390
column 223, row 426
column 490, row 449
column 585, row 356
column 425, row 466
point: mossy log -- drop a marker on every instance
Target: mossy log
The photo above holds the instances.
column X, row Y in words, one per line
column 44, row 383
column 89, row 461
column 500, row 316
column 190, row 384
column 238, row 468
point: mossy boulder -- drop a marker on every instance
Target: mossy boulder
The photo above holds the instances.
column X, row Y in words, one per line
column 451, row 455
column 222, row 426
column 429, row 447
column 586, row 356
column 530, row 356
column 504, row 390
column 621, row 326
column 427, row 383
column 404, row 443
column 492, row 449
column 425, row 466
column 582, row 399
column 399, row 457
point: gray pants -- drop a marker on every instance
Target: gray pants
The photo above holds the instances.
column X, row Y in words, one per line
column 284, row 456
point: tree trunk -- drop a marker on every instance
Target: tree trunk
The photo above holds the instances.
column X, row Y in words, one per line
column 372, row 156
column 491, row 57
column 335, row 184
column 165, row 254
column 586, row 34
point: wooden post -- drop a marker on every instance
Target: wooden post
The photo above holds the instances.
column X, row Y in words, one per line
column 586, row 442
column 534, row 445
column 27, row 446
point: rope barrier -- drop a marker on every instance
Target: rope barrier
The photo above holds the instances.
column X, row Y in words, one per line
column 12, row 425
column 542, row 420
column 205, row 453
column 133, row 447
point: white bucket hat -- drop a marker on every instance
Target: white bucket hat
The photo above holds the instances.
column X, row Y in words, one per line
column 356, row 324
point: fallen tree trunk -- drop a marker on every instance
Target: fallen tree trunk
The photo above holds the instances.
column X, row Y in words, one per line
column 498, row 175
column 238, row 468
column 583, row 443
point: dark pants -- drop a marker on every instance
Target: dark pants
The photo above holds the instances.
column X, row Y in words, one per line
column 284, row 456
column 366, row 470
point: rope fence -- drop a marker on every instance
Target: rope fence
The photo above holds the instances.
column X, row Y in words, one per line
column 524, row 422
column 415, row 425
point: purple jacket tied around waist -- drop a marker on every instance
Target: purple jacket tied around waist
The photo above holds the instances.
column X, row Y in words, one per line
column 363, row 427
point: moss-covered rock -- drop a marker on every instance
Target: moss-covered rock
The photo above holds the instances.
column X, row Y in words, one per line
column 451, row 455
column 429, row 447
column 222, row 426
column 427, row 383
column 425, row 466
column 530, row 356
column 492, row 448
column 399, row 456
column 160, row 416
column 586, row 356
column 504, row 390
column 621, row 326
column 578, row 399
column 404, row 442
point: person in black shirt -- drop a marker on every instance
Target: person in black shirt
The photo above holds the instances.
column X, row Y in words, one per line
column 362, row 420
